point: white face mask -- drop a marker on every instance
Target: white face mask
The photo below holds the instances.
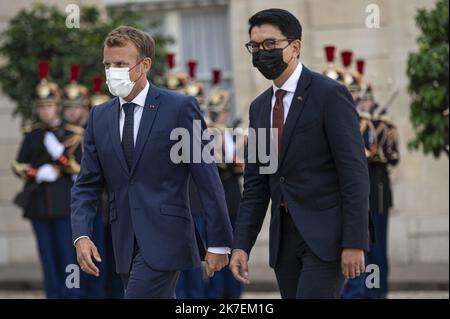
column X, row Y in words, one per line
column 118, row 80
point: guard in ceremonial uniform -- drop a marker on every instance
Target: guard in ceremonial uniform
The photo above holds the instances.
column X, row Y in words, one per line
column 174, row 80
column 332, row 71
column 384, row 154
column 352, row 80
column 381, row 142
column 75, row 103
column 191, row 283
column 223, row 285
column 357, row 86
column 112, row 284
column 46, row 162
column 356, row 288
column 193, row 87
column 97, row 97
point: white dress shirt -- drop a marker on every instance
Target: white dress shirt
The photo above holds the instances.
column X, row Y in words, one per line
column 139, row 100
column 289, row 86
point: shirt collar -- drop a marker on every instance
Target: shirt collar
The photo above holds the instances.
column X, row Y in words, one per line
column 139, row 99
column 291, row 83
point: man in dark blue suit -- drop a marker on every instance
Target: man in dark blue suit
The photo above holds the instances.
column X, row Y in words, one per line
column 128, row 149
column 320, row 190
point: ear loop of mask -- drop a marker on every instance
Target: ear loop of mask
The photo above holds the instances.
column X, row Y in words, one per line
column 292, row 55
column 139, row 62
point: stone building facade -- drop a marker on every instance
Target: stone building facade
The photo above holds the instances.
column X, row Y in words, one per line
column 419, row 227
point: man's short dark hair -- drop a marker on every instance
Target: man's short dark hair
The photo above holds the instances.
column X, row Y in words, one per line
column 288, row 24
column 143, row 42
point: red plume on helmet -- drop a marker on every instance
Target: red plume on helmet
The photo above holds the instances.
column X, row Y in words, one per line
column 97, row 97
column 74, row 72
column 331, row 71
column 346, row 58
column 217, row 74
column 46, row 91
column 43, row 69
column 329, row 53
column 97, row 83
column 360, row 64
column 192, row 67
column 170, row 58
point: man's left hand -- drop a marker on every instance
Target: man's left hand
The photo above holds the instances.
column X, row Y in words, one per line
column 215, row 262
column 352, row 262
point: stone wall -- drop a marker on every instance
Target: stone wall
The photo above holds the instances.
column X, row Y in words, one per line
column 419, row 225
column 17, row 243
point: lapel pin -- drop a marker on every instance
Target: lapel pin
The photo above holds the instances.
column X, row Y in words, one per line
column 152, row 106
column 299, row 98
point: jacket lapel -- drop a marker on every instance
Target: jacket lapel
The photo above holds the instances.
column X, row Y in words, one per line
column 115, row 134
column 296, row 109
column 148, row 116
column 266, row 117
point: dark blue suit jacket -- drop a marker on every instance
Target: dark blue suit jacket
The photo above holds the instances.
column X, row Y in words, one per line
column 322, row 173
column 151, row 201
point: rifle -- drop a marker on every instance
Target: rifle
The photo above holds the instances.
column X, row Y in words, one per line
column 388, row 104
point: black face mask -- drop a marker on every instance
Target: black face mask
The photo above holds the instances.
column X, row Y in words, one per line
column 270, row 63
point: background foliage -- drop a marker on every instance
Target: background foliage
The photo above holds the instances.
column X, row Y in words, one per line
column 428, row 85
column 41, row 34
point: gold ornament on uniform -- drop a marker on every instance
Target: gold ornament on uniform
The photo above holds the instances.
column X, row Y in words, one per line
column 351, row 79
column 332, row 71
column 381, row 133
column 175, row 81
column 43, row 89
column 97, row 97
column 194, row 88
column 218, row 98
column 367, row 92
column 391, row 140
column 360, row 66
column 346, row 62
column 75, row 95
column 46, row 91
column 72, row 91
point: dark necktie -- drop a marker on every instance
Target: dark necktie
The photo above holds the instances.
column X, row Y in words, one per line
column 278, row 123
column 278, row 117
column 128, row 133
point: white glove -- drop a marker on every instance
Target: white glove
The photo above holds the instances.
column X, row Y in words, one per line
column 46, row 173
column 54, row 147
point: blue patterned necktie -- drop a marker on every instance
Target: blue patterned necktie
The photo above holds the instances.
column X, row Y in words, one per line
column 128, row 133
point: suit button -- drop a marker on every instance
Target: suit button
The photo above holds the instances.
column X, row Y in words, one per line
column 132, row 181
column 282, row 179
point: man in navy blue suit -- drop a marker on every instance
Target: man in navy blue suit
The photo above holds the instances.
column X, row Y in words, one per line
column 320, row 191
column 127, row 149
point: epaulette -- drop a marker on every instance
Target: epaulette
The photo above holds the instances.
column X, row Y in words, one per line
column 31, row 127
column 27, row 129
column 385, row 119
column 365, row 115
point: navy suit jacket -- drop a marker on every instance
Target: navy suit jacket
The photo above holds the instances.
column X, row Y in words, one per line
column 150, row 202
column 322, row 173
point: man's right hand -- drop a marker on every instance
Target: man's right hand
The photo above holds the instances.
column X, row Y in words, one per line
column 85, row 251
column 239, row 265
